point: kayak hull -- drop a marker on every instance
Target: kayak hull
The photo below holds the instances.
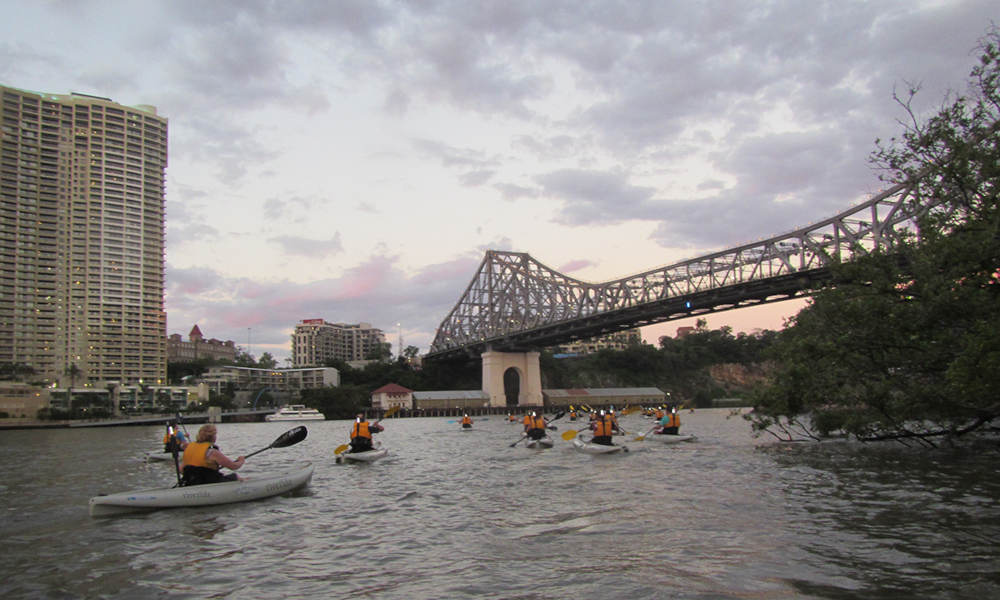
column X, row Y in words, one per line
column 252, row 488
column 363, row 457
column 540, row 444
column 667, row 438
column 161, row 456
column 590, row 448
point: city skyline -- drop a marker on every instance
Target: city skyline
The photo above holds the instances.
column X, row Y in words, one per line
column 353, row 162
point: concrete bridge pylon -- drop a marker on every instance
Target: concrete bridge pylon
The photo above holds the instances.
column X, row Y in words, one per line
column 512, row 378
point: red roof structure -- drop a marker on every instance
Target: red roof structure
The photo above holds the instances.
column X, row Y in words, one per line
column 392, row 388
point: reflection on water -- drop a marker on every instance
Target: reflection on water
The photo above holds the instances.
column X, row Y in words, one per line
column 452, row 514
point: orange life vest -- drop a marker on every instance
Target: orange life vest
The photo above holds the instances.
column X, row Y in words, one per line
column 539, row 423
column 527, row 420
column 604, row 426
column 360, row 429
column 466, row 420
column 194, row 455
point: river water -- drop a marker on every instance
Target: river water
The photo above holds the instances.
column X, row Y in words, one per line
column 453, row 514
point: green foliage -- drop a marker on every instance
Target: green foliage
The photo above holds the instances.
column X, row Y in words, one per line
column 341, row 402
column 905, row 346
column 176, row 371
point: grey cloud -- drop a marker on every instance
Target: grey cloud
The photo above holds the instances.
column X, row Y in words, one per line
column 290, row 208
column 511, row 191
column 451, row 156
column 476, row 178
column 312, row 248
column 594, row 197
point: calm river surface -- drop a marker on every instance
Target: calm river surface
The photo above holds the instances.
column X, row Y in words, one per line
column 452, row 514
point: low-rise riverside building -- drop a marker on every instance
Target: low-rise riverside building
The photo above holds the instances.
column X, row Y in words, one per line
column 617, row 397
column 282, row 384
column 392, row 395
column 22, row 401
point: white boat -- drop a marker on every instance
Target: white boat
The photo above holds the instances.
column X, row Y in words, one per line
column 253, row 487
column 367, row 456
column 540, row 443
column 590, row 448
column 296, row 412
column 670, row 438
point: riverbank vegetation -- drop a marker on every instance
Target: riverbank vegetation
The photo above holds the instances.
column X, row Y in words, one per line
column 904, row 345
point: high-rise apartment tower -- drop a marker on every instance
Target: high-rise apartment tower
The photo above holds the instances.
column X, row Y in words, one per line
column 82, row 229
column 315, row 342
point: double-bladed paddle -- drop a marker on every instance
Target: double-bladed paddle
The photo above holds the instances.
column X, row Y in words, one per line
column 289, row 438
column 643, row 436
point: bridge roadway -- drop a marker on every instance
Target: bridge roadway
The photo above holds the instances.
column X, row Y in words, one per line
column 515, row 303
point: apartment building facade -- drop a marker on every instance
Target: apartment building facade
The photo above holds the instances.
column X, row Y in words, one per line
column 315, row 341
column 82, row 230
column 618, row 340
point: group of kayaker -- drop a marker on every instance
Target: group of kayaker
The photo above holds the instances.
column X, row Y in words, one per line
column 202, row 460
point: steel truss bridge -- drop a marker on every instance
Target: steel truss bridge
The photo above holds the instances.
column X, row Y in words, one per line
column 515, row 303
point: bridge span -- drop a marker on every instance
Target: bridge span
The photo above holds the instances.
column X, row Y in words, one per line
column 516, row 304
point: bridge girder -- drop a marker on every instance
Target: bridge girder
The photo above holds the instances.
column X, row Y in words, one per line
column 515, row 303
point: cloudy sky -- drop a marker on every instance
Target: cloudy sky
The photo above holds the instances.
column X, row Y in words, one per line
column 352, row 160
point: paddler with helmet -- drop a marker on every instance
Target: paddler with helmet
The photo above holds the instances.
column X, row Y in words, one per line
column 466, row 421
column 670, row 424
column 604, row 427
column 173, row 438
column 203, row 460
column 361, row 434
column 534, row 425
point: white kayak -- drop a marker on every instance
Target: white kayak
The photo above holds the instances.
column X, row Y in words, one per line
column 591, row 448
column 367, row 456
column 162, row 456
column 253, row 487
column 540, row 444
column 670, row 438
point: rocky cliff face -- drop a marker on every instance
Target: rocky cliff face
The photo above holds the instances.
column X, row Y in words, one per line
column 738, row 377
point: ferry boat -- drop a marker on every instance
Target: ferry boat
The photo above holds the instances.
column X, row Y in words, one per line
column 296, row 412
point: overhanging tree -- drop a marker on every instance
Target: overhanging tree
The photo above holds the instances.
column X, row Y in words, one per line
column 905, row 346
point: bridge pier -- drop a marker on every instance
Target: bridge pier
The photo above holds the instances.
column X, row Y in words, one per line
column 499, row 369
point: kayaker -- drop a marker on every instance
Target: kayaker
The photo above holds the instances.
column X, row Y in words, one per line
column 528, row 421
column 670, row 424
column 604, row 427
column 203, row 460
column 536, row 428
column 361, row 434
column 466, row 422
column 174, row 438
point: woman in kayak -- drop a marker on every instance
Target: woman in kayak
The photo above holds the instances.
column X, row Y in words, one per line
column 202, row 460
column 361, row 434
column 604, row 427
column 466, row 422
column 670, row 424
